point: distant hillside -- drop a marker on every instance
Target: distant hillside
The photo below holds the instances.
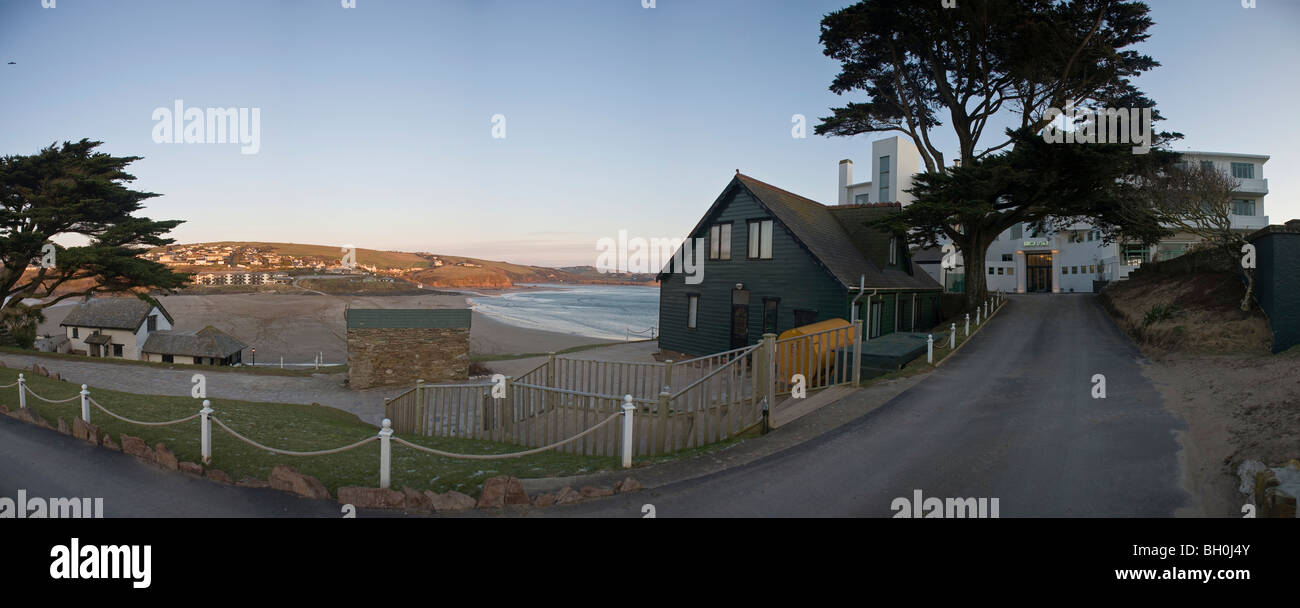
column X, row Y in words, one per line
column 430, row 269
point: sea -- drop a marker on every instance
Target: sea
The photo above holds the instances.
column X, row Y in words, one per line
column 611, row 312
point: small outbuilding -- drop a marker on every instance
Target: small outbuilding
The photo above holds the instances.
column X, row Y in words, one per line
column 396, row 347
column 207, row 346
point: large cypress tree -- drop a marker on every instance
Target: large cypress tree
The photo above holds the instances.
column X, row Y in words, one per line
column 922, row 66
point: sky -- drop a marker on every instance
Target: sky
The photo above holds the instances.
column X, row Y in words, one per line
column 380, row 126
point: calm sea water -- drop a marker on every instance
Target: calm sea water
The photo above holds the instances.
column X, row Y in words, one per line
column 597, row 311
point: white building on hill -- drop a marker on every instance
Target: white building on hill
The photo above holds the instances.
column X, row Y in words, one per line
column 1068, row 260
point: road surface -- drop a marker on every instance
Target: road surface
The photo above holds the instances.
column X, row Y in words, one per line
column 1011, row 416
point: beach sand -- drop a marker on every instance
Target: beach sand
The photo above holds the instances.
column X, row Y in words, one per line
column 297, row 326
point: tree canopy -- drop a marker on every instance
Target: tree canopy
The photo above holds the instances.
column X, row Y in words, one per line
column 72, row 190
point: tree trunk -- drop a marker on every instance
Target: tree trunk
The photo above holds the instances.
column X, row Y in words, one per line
column 976, row 281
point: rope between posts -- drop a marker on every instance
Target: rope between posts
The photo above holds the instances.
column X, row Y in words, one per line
column 290, row 452
column 9, row 385
column 510, row 455
column 128, row 420
column 33, row 393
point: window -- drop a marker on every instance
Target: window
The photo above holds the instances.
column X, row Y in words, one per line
column 1011, row 270
column 692, row 310
column 875, row 319
column 760, row 239
column 1065, row 270
column 999, row 270
column 1243, row 170
column 1092, row 269
column 1017, row 232
column 1006, row 257
column 990, row 270
column 74, row 332
column 153, row 322
column 1207, row 165
column 1134, row 255
column 804, row 317
column 720, row 242
column 862, row 199
column 168, row 359
column 770, row 312
column 1243, row 206
column 893, row 251
column 884, row 178
column 117, row 350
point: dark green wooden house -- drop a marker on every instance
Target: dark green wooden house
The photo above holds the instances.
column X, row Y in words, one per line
column 776, row 260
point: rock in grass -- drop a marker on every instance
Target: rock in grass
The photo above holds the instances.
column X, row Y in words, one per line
column 450, row 501
column 501, row 491
column 627, row 485
column 415, row 500
column 371, row 498
column 543, row 500
column 190, row 468
column 110, row 444
column 288, row 479
column 595, row 492
column 567, row 496
column 85, row 431
column 136, row 446
column 64, row 427
column 165, row 458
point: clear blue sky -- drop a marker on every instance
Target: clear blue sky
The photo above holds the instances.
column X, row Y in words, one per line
column 376, row 121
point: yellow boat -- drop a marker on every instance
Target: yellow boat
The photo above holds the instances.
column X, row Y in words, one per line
column 810, row 349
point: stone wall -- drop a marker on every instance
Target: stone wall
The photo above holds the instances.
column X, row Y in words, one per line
column 399, row 357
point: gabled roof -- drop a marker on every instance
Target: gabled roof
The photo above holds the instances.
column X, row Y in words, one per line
column 206, row 342
column 836, row 237
column 112, row 313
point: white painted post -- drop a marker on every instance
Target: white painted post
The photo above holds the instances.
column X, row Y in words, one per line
column 952, row 336
column 385, row 454
column 929, row 349
column 977, row 316
column 22, row 391
column 85, row 404
column 281, row 361
column 968, row 324
column 628, row 410
column 205, row 431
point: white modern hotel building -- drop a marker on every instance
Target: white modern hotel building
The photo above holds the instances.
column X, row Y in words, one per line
column 1068, row 260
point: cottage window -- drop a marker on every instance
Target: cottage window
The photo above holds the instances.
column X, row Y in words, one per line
column 168, row 359
column 893, row 251
column 117, row 350
column 720, row 242
column 771, row 306
column 692, row 310
column 760, row 239
column 74, row 332
column 153, row 322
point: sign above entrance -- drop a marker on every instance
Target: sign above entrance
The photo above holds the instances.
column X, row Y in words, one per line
column 1038, row 243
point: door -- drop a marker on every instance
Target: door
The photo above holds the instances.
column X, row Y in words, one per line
column 739, row 318
column 1038, row 272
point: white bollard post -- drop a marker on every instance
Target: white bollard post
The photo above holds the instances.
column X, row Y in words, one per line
column 977, row 316
column 929, row 348
column 205, row 432
column 22, row 392
column 628, row 410
column 952, row 336
column 385, row 453
column 968, row 324
column 85, row 404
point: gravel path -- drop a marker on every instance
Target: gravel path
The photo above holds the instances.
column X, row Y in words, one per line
column 325, row 389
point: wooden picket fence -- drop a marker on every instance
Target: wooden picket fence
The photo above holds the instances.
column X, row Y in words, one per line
column 679, row 405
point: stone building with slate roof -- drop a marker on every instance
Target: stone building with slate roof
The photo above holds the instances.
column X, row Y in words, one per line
column 396, row 347
column 776, row 260
column 114, row 327
column 207, row 346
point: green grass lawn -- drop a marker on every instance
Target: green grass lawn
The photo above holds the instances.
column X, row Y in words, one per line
column 299, row 428
column 264, row 370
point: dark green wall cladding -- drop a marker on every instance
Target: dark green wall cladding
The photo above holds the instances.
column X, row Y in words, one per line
column 792, row 275
column 1278, row 285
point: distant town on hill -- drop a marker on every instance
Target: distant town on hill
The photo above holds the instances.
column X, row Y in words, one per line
column 238, row 262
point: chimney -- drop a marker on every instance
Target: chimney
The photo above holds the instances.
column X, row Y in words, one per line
column 846, row 178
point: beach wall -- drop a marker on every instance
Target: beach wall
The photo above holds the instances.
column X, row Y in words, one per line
column 396, row 347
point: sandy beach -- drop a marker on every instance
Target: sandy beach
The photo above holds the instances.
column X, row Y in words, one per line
column 298, row 326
